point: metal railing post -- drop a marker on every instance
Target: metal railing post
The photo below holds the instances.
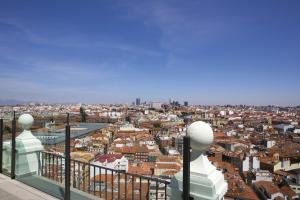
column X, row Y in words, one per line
column 186, row 168
column 1, row 145
column 67, row 161
column 13, row 148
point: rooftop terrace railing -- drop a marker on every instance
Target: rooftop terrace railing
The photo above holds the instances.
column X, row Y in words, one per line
column 56, row 174
column 103, row 182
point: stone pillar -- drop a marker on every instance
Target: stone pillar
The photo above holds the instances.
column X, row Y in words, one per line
column 27, row 149
column 206, row 182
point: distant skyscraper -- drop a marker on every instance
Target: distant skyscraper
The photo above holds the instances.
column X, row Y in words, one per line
column 186, row 103
column 138, row 101
column 171, row 101
column 175, row 103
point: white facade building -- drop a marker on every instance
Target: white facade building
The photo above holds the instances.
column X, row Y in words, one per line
column 112, row 161
column 251, row 163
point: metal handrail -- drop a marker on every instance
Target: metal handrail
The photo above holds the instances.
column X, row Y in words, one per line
column 108, row 184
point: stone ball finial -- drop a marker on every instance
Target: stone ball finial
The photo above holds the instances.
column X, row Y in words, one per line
column 25, row 121
column 201, row 135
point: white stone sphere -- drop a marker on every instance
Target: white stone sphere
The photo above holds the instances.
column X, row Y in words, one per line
column 201, row 135
column 25, row 121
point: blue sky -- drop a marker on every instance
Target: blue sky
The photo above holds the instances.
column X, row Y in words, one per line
column 107, row 51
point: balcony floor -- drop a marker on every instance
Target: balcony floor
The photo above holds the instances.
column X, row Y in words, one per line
column 55, row 188
column 15, row 190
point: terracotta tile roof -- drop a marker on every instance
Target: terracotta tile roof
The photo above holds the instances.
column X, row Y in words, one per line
column 104, row 177
column 147, row 166
column 224, row 165
column 109, row 157
column 236, row 186
column 267, row 186
column 279, row 198
column 168, row 166
column 142, row 149
column 168, row 159
column 287, row 190
column 219, row 134
column 126, row 150
column 138, row 170
column 144, row 136
column 284, row 173
column 132, row 150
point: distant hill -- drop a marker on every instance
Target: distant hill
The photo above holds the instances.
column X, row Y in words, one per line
column 11, row 102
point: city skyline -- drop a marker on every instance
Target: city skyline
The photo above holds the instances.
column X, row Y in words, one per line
column 16, row 102
column 115, row 51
